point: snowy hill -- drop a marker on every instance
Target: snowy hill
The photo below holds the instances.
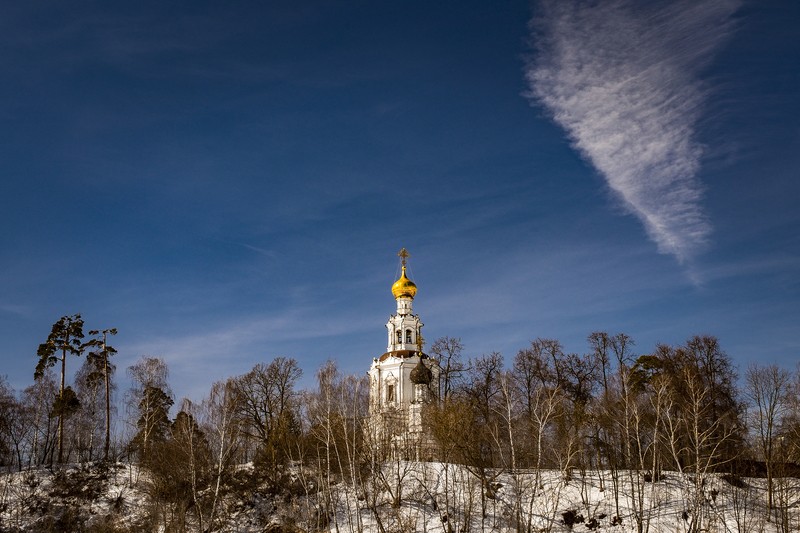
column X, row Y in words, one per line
column 403, row 496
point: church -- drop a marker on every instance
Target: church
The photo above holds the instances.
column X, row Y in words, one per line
column 403, row 379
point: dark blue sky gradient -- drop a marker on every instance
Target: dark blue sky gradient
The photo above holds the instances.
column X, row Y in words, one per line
column 229, row 182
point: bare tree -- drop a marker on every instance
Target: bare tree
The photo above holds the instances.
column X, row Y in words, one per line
column 715, row 370
column 534, row 375
column 452, row 425
column 449, row 352
column 15, row 425
column 178, row 481
column 483, row 387
column 38, row 400
column 474, row 427
column 620, row 452
column 575, row 377
column 222, row 427
column 698, row 443
column 86, row 425
column 790, row 425
column 600, row 343
column 767, row 390
column 699, row 368
column 267, row 406
column 8, row 409
column 194, row 458
column 640, row 423
column 337, row 411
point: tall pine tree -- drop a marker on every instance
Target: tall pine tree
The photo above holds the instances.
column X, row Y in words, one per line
column 102, row 370
column 65, row 338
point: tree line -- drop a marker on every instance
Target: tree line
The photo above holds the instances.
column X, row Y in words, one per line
column 608, row 412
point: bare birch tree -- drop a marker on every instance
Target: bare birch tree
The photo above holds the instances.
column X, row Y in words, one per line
column 766, row 388
column 222, row 428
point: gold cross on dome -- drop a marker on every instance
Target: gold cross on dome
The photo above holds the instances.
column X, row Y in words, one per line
column 403, row 254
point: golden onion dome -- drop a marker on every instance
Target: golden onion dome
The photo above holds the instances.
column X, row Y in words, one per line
column 404, row 287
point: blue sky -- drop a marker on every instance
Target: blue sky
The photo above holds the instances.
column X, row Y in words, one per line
column 229, row 182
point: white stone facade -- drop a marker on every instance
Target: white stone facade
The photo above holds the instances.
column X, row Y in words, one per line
column 402, row 381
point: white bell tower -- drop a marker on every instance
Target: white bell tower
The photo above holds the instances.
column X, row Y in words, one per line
column 403, row 379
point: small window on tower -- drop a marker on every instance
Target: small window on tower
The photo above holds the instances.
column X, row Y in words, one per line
column 390, row 393
column 399, row 336
column 408, row 336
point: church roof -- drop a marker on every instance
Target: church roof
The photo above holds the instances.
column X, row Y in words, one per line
column 402, row 354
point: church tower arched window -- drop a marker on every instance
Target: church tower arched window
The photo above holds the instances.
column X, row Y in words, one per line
column 390, row 393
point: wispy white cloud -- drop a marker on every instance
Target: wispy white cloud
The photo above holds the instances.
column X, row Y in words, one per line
column 561, row 290
column 262, row 251
column 227, row 348
column 775, row 265
column 19, row 310
column 622, row 78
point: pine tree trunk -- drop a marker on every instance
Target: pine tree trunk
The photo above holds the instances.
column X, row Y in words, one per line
column 61, row 410
column 108, row 400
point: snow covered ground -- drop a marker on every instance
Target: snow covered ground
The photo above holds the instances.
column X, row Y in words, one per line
column 34, row 500
column 407, row 496
column 441, row 498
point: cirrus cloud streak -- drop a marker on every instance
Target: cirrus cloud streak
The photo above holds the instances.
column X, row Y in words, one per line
column 622, row 78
